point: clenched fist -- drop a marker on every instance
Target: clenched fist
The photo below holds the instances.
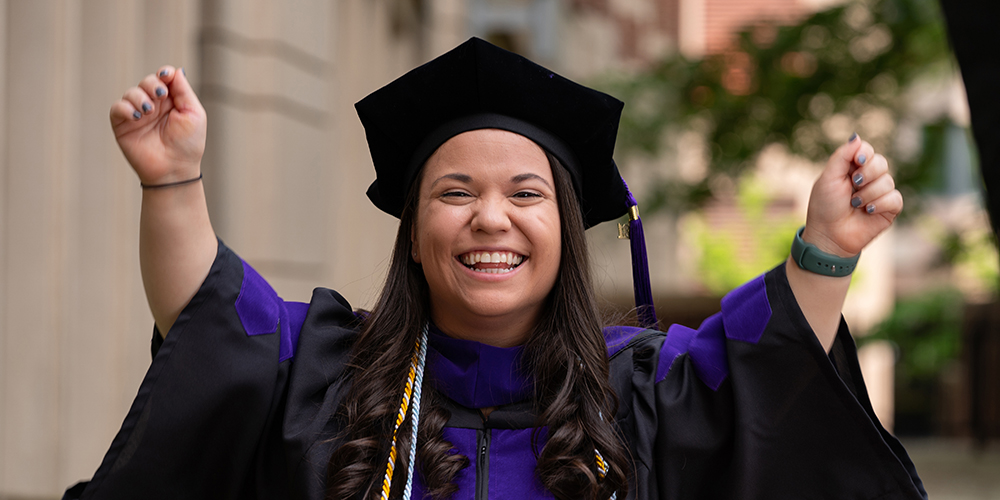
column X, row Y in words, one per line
column 160, row 126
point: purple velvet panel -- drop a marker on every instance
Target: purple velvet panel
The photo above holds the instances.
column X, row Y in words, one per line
column 463, row 441
column 617, row 337
column 419, row 489
column 476, row 375
column 293, row 314
column 676, row 343
column 261, row 311
column 746, row 311
column 708, row 352
column 512, row 466
column 706, row 347
column 257, row 305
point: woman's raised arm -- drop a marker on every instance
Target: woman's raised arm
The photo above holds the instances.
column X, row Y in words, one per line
column 160, row 126
column 852, row 202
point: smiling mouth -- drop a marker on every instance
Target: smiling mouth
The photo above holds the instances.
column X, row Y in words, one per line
column 491, row 262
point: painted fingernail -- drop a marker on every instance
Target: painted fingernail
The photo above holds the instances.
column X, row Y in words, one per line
column 862, row 159
column 160, row 91
column 136, row 114
column 853, row 138
column 858, row 179
column 870, row 208
column 165, row 73
column 856, row 201
column 146, row 108
column 184, row 72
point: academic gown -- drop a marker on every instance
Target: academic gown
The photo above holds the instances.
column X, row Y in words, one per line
column 238, row 399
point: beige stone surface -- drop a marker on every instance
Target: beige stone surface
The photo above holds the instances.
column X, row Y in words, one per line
column 74, row 325
column 286, row 170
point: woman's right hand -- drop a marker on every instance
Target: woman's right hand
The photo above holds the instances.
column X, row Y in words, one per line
column 160, row 126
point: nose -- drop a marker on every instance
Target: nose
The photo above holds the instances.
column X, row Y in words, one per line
column 491, row 215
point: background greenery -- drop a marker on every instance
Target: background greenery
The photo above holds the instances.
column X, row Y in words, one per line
column 806, row 87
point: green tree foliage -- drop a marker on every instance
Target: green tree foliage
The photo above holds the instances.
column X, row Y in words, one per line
column 927, row 330
column 806, row 87
column 733, row 255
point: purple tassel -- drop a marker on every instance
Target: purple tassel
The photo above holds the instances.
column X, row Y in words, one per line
column 640, row 266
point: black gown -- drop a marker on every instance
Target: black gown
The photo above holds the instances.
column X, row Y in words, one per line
column 238, row 399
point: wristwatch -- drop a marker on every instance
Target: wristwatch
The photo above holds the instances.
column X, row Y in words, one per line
column 812, row 259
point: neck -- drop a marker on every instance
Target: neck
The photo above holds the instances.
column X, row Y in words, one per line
column 500, row 331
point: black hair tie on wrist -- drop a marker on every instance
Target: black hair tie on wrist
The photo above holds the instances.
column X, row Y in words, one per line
column 171, row 184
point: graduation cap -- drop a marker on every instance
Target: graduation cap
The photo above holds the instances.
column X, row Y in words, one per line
column 477, row 86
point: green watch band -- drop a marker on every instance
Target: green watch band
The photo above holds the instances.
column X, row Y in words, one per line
column 812, row 259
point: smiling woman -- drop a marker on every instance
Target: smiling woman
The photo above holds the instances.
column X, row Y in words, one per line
column 485, row 194
column 483, row 370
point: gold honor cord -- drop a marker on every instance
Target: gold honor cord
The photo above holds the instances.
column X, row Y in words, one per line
column 602, row 469
column 416, row 366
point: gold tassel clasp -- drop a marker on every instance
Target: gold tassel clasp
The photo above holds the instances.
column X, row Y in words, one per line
column 633, row 214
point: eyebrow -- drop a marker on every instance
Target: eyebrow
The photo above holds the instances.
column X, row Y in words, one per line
column 517, row 179
column 458, row 177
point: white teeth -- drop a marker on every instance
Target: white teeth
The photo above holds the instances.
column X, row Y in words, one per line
column 471, row 259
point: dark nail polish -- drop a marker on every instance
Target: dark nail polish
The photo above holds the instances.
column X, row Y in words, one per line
column 862, row 159
column 856, row 201
column 184, row 72
column 858, row 179
column 160, row 91
column 146, row 107
column 871, row 208
column 136, row 114
column 853, row 138
column 165, row 72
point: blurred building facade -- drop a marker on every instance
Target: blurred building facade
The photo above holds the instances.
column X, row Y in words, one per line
column 286, row 168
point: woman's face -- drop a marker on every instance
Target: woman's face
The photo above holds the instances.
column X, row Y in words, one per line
column 487, row 232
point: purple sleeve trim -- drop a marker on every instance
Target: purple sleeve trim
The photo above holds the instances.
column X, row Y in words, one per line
column 617, row 337
column 676, row 343
column 746, row 311
column 706, row 347
column 261, row 311
column 708, row 352
column 292, row 317
column 257, row 305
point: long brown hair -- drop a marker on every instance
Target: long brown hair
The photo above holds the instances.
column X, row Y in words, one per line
column 565, row 353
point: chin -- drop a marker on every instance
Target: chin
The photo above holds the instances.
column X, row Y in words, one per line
column 495, row 310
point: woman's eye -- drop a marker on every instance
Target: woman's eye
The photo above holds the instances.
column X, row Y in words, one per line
column 455, row 194
column 527, row 194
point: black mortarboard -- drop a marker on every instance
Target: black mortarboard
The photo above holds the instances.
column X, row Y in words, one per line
column 478, row 85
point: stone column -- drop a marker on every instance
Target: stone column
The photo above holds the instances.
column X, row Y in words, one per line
column 74, row 325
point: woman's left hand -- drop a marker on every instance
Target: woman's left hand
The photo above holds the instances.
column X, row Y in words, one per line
column 853, row 201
